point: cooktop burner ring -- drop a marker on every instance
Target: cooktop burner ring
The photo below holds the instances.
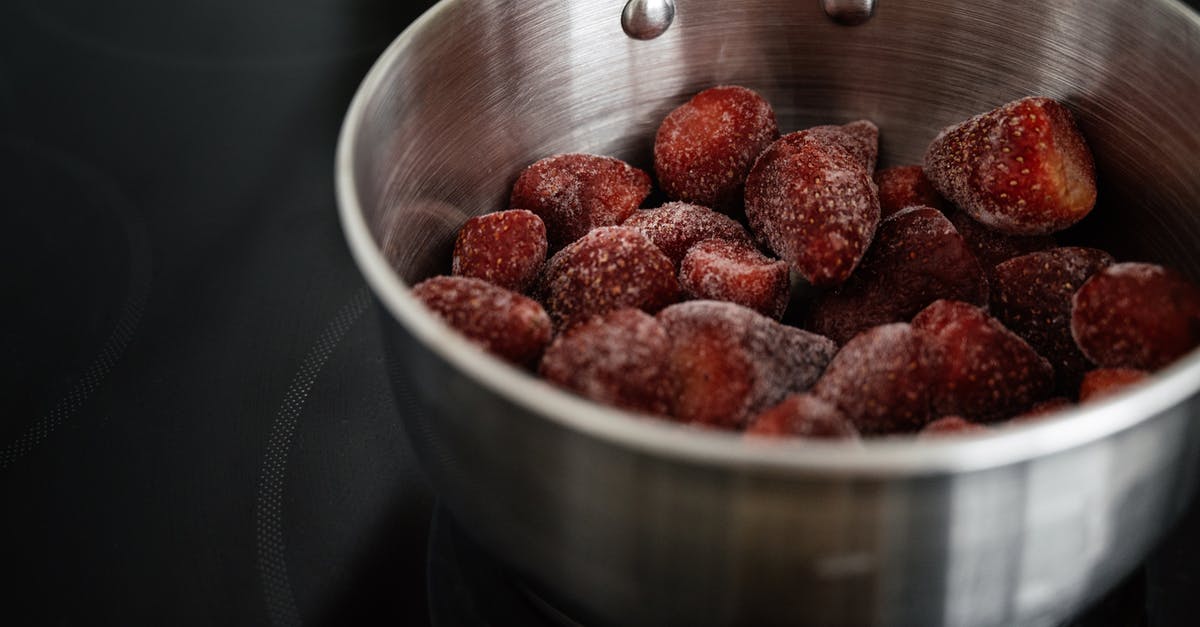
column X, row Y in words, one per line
column 104, row 190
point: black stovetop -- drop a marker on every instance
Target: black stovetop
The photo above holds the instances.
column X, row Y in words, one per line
column 195, row 424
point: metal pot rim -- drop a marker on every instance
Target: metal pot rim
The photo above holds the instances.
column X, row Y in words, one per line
column 896, row 456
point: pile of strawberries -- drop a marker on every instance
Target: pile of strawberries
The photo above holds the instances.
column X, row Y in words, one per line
column 934, row 298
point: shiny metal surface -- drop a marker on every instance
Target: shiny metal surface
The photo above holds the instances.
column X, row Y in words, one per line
column 622, row 520
column 849, row 12
column 647, row 19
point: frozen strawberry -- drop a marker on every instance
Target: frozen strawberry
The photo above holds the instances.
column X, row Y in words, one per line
column 1021, row 169
column 906, row 186
column 609, row 268
column 1103, row 382
column 704, row 149
column 576, row 193
column 992, row 248
column 951, row 425
column 729, row 363
column 814, row 205
column 677, row 226
column 1043, row 409
column 881, row 380
column 860, row 140
column 917, row 258
column 507, row 248
column 806, row 416
column 719, row 270
column 500, row 321
column 984, row 371
column 618, row 359
column 1136, row 315
column 1031, row 295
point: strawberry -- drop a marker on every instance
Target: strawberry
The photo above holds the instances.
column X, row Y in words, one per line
column 677, row 226
column 984, row 371
column 499, row 321
column 811, row 199
column 917, row 258
column 1021, row 169
column 507, row 248
column 610, row 268
column 576, row 193
column 619, row 358
column 950, row 425
column 728, row 363
column 704, row 148
column 1136, row 315
column 1103, row 382
column 904, row 186
column 806, row 416
column 719, row 270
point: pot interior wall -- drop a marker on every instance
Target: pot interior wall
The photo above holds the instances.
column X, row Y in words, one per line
column 480, row 89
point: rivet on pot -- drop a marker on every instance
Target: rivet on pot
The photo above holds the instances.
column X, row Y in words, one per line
column 647, row 19
column 849, row 12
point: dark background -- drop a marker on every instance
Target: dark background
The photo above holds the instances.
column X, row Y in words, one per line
column 195, row 422
column 193, row 412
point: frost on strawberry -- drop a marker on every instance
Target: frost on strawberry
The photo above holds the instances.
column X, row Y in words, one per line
column 1021, row 169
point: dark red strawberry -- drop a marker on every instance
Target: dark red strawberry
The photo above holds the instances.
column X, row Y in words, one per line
column 507, row 248
column 676, row 226
column 917, row 258
column 619, row 359
column 704, row 149
column 719, row 270
column 806, row 416
column 814, row 204
column 1031, row 295
column 1103, row 382
column 729, row 363
column 1021, row 169
column 607, row 269
column 576, row 193
column 984, row 372
column 882, row 380
column 500, row 321
column 951, row 425
column 1043, row 409
column 1136, row 315
column 906, row 186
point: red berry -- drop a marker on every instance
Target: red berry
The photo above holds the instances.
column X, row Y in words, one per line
column 984, row 371
column 1043, row 409
column 1031, row 295
column 507, row 248
column 1107, row 381
column 806, row 416
column 814, row 205
column 704, row 149
column 906, row 186
column 719, row 270
column 729, row 363
column 992, row 248
column 1136, row 315
column 881, row 380
column 607, row 269
column 951, row 425
column 1021, row 169
column 917, row 258
column 619, row 359
column 500, row 321
column 576, row 193
column 677, row 226
column 860, row 140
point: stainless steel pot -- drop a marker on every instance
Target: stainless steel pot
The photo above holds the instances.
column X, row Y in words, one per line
column 618, row 519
